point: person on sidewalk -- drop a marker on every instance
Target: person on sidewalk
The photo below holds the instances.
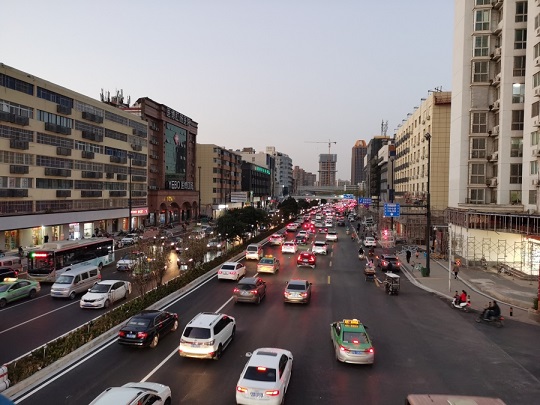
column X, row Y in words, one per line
column 455, row 269
column 408, row 255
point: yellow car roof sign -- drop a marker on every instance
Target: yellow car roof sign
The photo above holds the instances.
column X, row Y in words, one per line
column 351, row 322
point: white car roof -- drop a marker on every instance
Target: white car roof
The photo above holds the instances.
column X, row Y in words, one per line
column 110, row 282
column 267, row 357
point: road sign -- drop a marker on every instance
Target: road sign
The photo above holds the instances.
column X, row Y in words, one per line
column 392, row 210
column 348, row 196
column 365, row 201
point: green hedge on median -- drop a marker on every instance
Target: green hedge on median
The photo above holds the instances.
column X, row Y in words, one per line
column 46, row 355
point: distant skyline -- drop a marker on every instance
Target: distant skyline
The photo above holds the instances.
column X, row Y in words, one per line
column 252, row 73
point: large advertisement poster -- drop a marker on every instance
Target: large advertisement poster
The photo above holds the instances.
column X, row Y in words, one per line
column 175, row 153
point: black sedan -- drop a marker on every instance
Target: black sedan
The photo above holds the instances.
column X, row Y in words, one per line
column 147, row 327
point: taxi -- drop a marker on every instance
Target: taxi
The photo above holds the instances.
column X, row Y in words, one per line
column 351, row 342
column 12, row 289
column 268, row 264
column 276, row 239
column 306, row 259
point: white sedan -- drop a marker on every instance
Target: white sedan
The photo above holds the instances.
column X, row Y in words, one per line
column 265, row 377
column 332, row 236
column 370, row 242
column 105, row 293
column 231, row 271
column 289, row 247
column 135, row 393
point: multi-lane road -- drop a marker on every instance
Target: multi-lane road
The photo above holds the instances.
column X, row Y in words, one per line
column 422, row 346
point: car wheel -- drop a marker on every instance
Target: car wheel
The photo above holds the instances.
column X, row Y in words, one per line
column 168, row 401
column 72, row 295
column 106, row 304
column 32, row 293
column 155, row 341
column 3, row 303
column 233, row 333
column 175, row 325
column 218, row 352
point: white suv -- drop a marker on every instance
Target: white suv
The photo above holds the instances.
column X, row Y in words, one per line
column 319, row 247
column 254, row 251
column 207, row 335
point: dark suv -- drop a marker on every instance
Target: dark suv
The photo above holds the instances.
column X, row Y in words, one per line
column 7, row 272
column 250, row 289
column 389, row 262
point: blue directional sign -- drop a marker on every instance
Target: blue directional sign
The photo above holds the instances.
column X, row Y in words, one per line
column 348, row 196
column 365, row 201
column 392, row 210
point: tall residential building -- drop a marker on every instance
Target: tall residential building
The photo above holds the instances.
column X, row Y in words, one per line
column 303, row 178
column 172, row 137
column 411, row 163
column 283, row 178
column 70, row 165
column 327, row 169
column 494, row 138
column 220, row 176
column 359, row 151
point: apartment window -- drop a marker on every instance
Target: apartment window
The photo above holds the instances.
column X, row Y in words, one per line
column 54, row 97
column 537, row 21
column 481, row 45
column 520, row 39
column 478, row 148
column 518, row 93
column 536, row 79
column 17, row 109
column 478, row 175
column 481, row 20
column 16, row 84
column 516, row 170
column 519, row 66
column 476, row 196
column 532, row 196
column 516, row 147
column 521, row 11
column 517, row 120
column 479, row 122
column 483, row 2
column 480, row 72
column 515, row 196
column 534, row 138
column 534, row 167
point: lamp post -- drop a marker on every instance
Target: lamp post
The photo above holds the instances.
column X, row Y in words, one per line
column 130, row 157
column 427, row 136
column 199, row 192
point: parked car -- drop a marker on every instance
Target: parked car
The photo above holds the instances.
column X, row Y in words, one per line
column 147, row 327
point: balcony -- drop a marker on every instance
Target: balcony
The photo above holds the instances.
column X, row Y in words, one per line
column 53, row 171
column 62, row 109
column 63, row 193
column 92, row 136
column 87, row 154
column 60, row 151
column 91, row 175
column 19, row 169
column 22, row 145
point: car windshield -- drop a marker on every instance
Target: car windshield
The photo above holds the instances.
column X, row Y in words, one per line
column 100, row 288
column 266, row 260
column 322, row 244
column 138, row 323
column 297, row 287
column 197, row 333
column 228, row 267
column 260, row 374
column 252, row 248
column 246, row 287
column 63, row 279
column 355, row 337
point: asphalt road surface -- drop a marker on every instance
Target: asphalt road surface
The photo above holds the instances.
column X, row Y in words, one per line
column 421, row 345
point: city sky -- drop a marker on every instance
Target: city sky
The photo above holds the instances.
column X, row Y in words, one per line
column 252, row 73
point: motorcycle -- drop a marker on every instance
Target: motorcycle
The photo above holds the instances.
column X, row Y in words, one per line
column 498, row 321
column 464, row 306
column 361, row 256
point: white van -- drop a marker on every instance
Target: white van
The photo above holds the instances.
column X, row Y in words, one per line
column 75, row 281
column 15, row 262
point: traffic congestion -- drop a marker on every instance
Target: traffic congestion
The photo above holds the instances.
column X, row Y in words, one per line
column 254, row 345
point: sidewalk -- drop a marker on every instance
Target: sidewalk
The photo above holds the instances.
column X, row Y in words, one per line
column 514, row 296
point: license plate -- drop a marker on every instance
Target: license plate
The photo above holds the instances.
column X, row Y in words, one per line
column 356, row 352
column 194, row 345
column 245, row 293
column 256, row 394
column 305, row 260
column 131, row 335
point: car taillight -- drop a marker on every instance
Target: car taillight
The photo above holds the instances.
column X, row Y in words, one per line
column 343, row 349
column 219, row 271
column 254, row 292
column 236, row 290
column 241, row 389
column 304, row 295
column 272, row 393
column 370, row 350
column 210, row 343
column 121, row 333
column 142, row 335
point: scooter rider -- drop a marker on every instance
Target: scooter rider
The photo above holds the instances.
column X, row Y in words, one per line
column 361, row 252
column 491, row 311
column 461, row 298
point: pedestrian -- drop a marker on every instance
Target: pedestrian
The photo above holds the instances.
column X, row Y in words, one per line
column 455, row 269
column 416, row 254
column 408, row 254
column 358, row 228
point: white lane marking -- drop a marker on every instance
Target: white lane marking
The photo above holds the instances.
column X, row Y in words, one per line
column 151, row 373
column 37, row 317
column 41, row 386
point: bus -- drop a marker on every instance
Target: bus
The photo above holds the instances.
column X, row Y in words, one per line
column 53, row 258
column 438, row 399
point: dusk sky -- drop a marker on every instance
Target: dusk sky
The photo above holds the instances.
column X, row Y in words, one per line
column 252, row 73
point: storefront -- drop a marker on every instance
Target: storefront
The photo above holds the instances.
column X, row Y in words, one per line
column 11, row 240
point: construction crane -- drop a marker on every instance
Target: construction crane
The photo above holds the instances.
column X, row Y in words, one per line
column 329, row 143
column 327, row 174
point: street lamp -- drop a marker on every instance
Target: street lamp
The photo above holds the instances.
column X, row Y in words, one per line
column 130, row 157
column 199, row 192
column 427, row 136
